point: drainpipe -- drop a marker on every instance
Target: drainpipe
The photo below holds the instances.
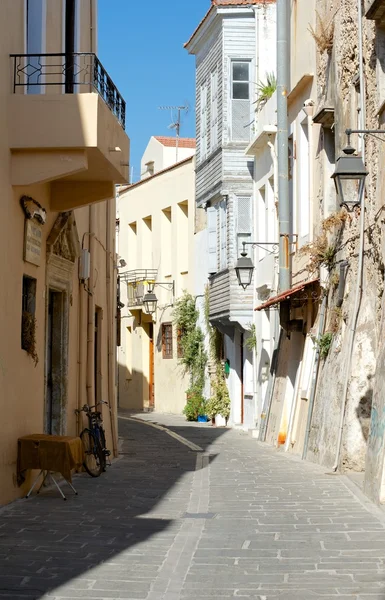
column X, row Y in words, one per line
column 283, row 51
column 81, row 348
column 111, row 321
column 91, row 313
column 314, row 378
column 360, row 270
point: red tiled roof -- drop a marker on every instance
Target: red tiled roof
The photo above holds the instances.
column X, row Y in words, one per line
column 227, row 3
column 171, row 142
column 285, row 295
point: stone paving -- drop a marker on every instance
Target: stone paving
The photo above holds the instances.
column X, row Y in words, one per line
column 169, row 521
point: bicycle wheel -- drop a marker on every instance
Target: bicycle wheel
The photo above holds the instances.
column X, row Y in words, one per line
column 94, row 457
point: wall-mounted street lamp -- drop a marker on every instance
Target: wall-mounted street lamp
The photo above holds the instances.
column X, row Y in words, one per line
column 350, row 174
column 244, row 267
column 150, row 301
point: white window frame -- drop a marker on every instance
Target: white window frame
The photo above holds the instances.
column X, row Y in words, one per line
column 223, row 235
column 203, row 134
column 303, row 184
column 231, row 61
column 214, row 137
column 235, row 61
column 212, row 239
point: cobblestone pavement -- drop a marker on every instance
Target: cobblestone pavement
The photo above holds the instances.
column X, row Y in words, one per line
column 236, row 519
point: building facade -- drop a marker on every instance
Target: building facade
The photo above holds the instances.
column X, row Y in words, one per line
column 63, row 148
column 234, row 46
column 156, row 231
column 320, row 342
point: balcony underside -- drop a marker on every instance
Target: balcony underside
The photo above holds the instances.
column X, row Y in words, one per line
column 69, row 140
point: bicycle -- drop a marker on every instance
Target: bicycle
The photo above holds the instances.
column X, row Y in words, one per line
column 94, row 441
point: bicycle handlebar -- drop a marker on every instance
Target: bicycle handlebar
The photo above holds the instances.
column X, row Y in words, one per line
column 87, row 409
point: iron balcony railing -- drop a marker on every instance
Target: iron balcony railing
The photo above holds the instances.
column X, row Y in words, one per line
column 75, row 73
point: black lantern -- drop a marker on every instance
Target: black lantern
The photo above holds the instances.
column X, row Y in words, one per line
column 244, row 269
column 150, row 302
column 349, row 178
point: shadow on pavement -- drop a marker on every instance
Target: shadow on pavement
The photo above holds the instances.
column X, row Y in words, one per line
column 45, row 543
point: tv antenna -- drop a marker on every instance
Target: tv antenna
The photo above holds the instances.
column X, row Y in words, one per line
column 176, row 123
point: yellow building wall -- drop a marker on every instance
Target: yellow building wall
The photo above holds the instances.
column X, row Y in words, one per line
column 22, row 384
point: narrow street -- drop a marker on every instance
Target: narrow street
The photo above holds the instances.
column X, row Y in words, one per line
column 167, row 521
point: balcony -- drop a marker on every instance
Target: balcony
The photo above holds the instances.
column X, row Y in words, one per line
column 66, row 126
column 375, row 10
column 230, row 305
column 137, row 283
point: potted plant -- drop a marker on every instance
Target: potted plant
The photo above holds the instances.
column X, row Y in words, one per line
column 195, row 405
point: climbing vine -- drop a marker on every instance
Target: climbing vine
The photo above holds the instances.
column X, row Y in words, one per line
column 219, row 402
column 192, row 354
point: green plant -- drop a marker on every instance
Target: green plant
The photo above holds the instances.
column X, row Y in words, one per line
column 251, row 340
column 265, row 90
column 28, row 335
column 324, row 344
column 219, row 403
column 193, row 356
column 195, row 405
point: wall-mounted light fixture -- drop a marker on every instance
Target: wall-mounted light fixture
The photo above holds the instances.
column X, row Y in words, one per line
column 245, row 267
column 115, row 149
column 349, row 176
column 150, row 301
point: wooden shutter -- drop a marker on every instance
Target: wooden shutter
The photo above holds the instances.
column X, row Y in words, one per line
column 214, row 109
column 223, row 234
column 203, row 128
column 212, row 239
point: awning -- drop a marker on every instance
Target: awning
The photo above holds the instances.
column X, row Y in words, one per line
column 287, row 294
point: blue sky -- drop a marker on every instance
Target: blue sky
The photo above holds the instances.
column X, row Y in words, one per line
column 141, row 46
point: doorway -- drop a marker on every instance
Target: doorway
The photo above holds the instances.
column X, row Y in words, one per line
column 56, row 383
column 151, row 392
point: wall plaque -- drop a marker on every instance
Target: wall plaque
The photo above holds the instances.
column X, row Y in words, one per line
column 32, row 241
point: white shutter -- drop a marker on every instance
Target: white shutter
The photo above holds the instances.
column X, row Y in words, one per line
column 214, row 109
column 203, row 128
column 212, row 238
column 223, row 233
column 244, row 221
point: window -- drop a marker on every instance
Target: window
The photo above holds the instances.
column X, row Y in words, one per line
column 214, row 110
column 212, row 239
column 303, row 186
column 28, row 313
column 240, row 81
column 35, row 42
column 240, row 100
column 167, row 340
column 204, row 121
column 244, row 221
